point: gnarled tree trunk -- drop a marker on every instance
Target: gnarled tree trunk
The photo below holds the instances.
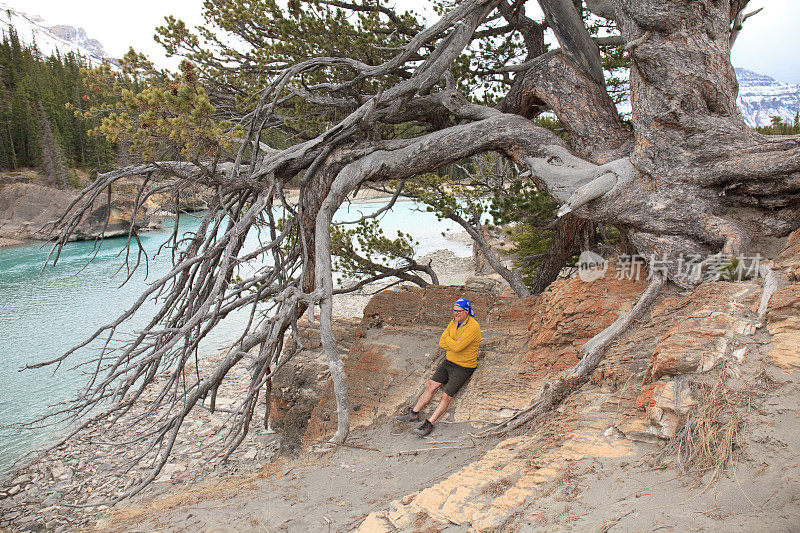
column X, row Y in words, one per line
column 693, row 162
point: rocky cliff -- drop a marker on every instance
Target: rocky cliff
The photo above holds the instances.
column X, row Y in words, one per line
column 28, row 211
column 51, row 38
column 79, row 38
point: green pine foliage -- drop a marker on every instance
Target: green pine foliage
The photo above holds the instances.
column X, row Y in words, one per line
column 485, row 192
column 779, row 126
column 277, row 35
column 157, row 115
column 525, row 211
column 36, row 119
column 357, row 249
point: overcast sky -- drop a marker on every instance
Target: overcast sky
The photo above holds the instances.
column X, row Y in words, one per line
column 769, row 44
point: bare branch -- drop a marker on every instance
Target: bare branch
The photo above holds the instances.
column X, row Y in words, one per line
column 738, row 23
column 575, row 40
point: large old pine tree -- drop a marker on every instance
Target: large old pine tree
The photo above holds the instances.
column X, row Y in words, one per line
column 314, row 99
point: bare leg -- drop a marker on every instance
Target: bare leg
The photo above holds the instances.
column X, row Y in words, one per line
column 441, row 408
column 427, row 396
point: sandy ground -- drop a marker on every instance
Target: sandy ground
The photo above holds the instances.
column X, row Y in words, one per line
column 760, row 493
column 332, row 491
column 10, row 242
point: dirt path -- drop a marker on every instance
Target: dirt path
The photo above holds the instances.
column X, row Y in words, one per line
column 332, row 491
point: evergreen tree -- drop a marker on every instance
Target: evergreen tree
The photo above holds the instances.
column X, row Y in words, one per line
column 52, row 158
column 778, row 126
column 38, row 125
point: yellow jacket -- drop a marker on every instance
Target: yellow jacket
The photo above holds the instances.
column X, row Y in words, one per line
column 461, row 342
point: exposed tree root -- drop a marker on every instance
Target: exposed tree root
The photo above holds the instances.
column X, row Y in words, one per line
column 554, row 392
column 770, row 286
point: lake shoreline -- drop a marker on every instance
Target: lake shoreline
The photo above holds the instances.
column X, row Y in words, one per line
column 364, row 195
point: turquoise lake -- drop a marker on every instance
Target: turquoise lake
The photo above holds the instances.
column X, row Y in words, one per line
column 46, row 311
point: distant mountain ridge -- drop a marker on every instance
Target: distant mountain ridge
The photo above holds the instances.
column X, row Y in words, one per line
column 49, row 38
column 762, row 97
column 78, row 37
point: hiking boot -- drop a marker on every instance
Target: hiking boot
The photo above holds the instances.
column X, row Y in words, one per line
column 409, row 415
column 424, row 429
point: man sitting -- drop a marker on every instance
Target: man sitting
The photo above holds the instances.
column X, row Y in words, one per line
column 460, row 339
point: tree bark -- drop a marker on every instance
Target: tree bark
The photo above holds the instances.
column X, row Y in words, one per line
column 575, row 40
column 580, row 103
column 561, row 248
column 690, row 142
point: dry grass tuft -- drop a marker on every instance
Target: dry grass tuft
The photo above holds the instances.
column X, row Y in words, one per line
column 709, row 439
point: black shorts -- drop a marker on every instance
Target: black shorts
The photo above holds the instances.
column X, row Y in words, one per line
column 452, row 376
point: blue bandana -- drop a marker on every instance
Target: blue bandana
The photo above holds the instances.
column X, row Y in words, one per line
column 463, row 303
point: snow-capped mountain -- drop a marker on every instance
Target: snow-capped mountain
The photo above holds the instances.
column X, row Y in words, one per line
column 49, row 38
column 78, row 36
column 761, row 98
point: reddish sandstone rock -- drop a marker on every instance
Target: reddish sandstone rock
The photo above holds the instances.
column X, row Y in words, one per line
column 696, row 342
column 666, row 404
column 703, row 326
column 668, row 408
column 649, row 392
column 570, row 313
column 784, row 303
column 430, row 306
column 685, row 334
column 297, row 388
